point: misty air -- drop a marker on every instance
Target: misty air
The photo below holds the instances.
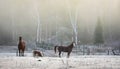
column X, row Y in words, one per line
column 60, row 34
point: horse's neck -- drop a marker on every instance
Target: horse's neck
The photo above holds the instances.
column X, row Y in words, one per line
column 71, row 45
column 20, row 41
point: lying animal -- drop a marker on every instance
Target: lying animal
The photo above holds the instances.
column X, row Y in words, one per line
column 37, row 53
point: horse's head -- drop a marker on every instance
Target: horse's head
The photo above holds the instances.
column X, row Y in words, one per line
column 20, row 38
column 73, row 44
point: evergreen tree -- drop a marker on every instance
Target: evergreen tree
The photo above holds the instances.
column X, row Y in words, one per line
column 98, row 34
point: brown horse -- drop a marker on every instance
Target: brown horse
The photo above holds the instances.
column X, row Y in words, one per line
column 21, row 47
column 64, row 49
column 37, row 53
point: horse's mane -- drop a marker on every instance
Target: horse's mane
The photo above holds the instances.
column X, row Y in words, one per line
column 71, row 44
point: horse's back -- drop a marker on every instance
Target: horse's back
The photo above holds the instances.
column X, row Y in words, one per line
column 65, row 48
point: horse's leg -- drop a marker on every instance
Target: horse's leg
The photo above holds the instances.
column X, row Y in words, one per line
column 19, row 53
column 68, row 54
column 59, row 53
column 22, row 53
column 23, row 50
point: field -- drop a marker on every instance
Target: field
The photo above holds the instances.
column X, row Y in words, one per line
column 9, row 60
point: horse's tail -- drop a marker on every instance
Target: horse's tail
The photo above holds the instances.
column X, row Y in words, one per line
column 55, row 48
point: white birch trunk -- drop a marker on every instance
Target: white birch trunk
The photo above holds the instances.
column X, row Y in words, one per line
column 73, row 21
column 39, row 29
column 56, row 28
column 13, row 27
column 46, row 31
column 13, row 23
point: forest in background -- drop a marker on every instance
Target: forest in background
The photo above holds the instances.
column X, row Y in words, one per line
column 55, row 19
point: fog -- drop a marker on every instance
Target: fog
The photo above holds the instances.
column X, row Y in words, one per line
column 21, row 17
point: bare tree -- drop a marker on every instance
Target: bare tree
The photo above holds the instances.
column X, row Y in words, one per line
column 12, row 9
column 39, row 27
column 73, row 20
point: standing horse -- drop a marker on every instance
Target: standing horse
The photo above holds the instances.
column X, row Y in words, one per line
column 64, row 49
column 21, row 47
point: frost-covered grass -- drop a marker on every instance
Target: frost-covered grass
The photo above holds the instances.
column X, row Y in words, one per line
column 9, row 60
column 74, row 62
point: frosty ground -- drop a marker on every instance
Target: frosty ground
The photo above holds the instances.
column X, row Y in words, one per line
column 9, row 60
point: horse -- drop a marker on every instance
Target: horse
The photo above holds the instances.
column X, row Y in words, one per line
column 37, row 53
column 21, row 47
column 67, row 49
